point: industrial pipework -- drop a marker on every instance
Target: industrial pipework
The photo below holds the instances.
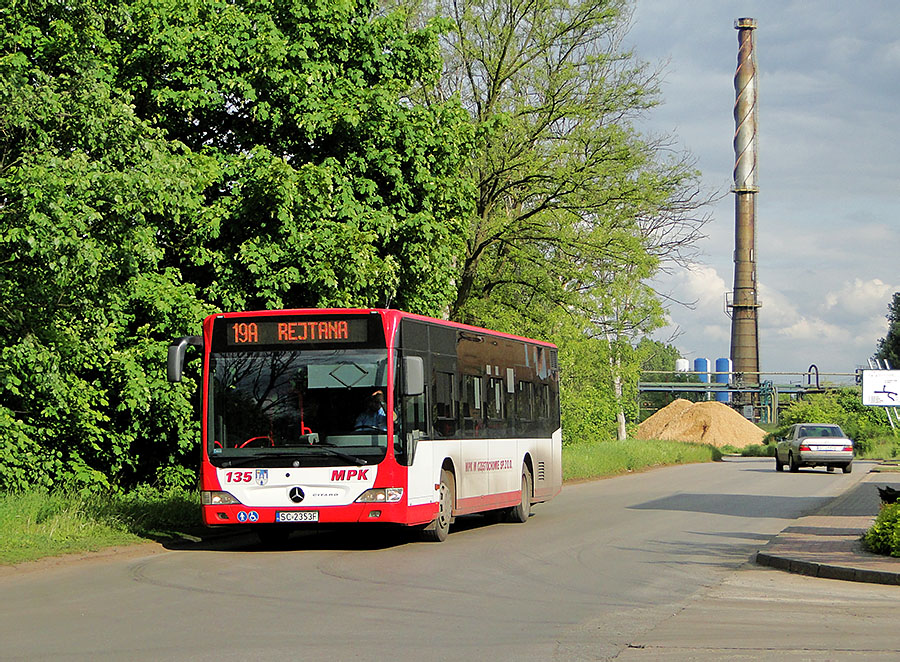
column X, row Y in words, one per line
column 743, row 301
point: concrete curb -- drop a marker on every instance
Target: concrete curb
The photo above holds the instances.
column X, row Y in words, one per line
column 827, row 570
column 828, row 543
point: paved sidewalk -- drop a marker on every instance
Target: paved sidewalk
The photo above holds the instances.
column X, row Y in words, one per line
column 827, row 543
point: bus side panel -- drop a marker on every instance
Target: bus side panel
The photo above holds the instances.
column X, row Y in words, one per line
column 548, row 478
column 505, row 467
column 474, row 479
column 421, row 475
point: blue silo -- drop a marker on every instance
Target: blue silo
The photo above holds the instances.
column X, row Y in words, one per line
column 723, row 376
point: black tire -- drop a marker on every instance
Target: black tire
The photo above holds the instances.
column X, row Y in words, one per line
column 521, row 512
column 829, row 469
column 439, row 529
column 779, row 465
column 794, row 465
column 847, row 468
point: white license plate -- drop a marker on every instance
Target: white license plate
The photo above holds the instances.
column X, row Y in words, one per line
column 297, row 516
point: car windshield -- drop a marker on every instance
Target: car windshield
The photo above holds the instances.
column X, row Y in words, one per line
column 319, row 406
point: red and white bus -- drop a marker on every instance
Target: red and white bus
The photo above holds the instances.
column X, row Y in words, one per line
column 379, row 416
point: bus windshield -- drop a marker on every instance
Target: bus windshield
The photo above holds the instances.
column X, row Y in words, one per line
column 321, row 407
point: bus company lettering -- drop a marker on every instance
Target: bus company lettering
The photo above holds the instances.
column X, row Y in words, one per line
column 489, row 465
column 306, row 331
column 348, row 474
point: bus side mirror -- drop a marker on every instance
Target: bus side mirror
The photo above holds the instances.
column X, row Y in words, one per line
column 414, row 375
column 175, row 363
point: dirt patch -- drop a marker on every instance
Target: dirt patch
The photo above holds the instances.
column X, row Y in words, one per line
column 708, row 422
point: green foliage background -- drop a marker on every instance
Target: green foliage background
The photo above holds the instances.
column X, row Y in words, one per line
column 842, row 407
column 889, row 346
column 161, row 160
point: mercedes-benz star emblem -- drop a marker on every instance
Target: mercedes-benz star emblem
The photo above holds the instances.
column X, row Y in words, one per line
column 296, row 494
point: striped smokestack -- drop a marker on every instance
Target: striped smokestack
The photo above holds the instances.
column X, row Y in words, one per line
column 743, row 302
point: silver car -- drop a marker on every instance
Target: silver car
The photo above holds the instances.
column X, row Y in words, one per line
column 814, row 445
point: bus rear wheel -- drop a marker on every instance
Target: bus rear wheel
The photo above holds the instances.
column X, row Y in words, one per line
column 521, row 512
column 439, row 529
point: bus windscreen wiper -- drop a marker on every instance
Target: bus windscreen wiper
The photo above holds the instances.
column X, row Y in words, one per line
column 343, row 456
column 251, row 459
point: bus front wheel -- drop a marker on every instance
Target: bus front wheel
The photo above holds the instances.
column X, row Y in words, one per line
column 439, row 529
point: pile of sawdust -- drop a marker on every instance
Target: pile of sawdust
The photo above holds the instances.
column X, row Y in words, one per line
column 709, row 422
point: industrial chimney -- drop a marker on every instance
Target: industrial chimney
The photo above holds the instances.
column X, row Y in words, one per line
column 742, row 302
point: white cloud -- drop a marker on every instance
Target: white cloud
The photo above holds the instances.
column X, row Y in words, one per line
column 777, row 310
column 717, row 332
column 827, row 231
column 861, row 298
column 815, row 330
column 705, row 282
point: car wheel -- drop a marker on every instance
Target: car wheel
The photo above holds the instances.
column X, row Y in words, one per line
column 829, row 469
column 779, row 465
column 847, row 468
column 795, row 466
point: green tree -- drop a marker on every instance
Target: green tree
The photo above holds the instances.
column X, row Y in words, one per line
column 568, row 190
column 160, row 160
column 889, row 346
column 842, row 407
column 575, row 209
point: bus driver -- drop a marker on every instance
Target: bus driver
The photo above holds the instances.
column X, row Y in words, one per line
column 374, row 416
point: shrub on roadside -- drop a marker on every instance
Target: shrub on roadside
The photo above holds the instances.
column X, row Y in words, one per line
column 884, row 536
column 758, row 450
column 842, row 407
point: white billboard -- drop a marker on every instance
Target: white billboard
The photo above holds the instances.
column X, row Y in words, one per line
column 881, row 388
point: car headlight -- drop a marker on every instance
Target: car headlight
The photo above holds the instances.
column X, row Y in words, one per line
column 381, row 495
column 217, row 499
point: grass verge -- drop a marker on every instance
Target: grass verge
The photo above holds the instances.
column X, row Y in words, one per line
column 613, row 458
column 34, row 525
column 38, row 524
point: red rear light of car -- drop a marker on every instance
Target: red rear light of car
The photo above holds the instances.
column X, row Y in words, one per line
column 848, row 448
column 804, row 447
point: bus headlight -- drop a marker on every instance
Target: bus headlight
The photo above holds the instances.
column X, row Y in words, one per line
column 381, row 495
column 217, row 499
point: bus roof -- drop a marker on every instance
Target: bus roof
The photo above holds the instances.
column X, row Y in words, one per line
column 388, row 314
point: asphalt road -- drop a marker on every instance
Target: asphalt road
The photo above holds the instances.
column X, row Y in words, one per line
column 654, row 565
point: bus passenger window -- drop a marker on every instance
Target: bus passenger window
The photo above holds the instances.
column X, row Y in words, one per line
column 446, row 405
column 472, row 406
column 524, row 408
column 496, row 408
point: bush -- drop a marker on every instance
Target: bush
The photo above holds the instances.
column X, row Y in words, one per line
column 884, row 536
column 842, row 407
column 758, row 450
column 882, row 448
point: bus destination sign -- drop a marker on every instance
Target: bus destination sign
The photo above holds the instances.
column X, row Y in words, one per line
column 299, row 332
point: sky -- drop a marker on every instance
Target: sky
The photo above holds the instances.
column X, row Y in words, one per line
column 828, row 232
